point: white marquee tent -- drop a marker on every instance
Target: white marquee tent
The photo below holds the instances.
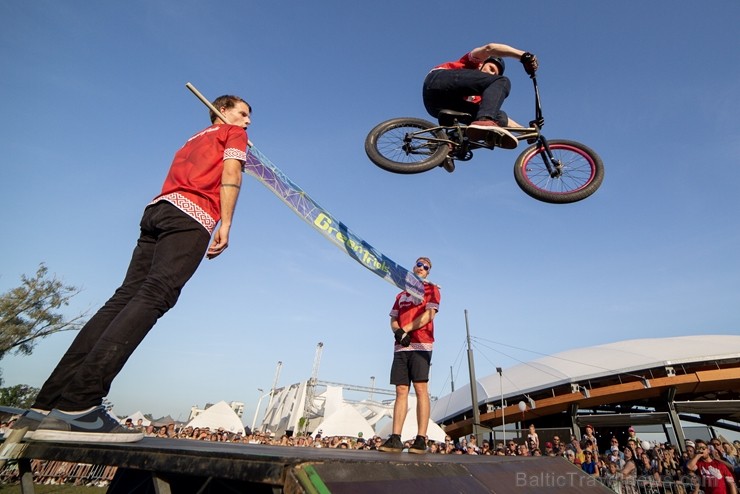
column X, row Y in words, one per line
column 135, row 419
column 218, row 416
column 345, row 421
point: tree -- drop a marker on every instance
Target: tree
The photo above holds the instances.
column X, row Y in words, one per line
column 29, row 312
column 19, row 396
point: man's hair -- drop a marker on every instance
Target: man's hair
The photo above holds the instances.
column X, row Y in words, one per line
column 226, row 101
column 425, row 259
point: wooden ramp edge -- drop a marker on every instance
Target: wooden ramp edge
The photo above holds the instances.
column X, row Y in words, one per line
column 181, row 466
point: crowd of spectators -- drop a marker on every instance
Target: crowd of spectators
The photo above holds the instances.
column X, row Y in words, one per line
column 621, row 466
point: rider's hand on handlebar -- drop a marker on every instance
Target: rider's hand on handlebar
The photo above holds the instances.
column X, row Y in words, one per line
column 539, row 122
column 529, row 60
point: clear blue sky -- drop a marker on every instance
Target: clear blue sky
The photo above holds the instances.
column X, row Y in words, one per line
column 94, row 107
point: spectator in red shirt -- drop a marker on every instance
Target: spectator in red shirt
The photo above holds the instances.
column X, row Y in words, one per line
column 716, row 478
column 197, row 200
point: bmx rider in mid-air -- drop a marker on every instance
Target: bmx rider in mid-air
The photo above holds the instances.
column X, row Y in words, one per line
column 476, row 84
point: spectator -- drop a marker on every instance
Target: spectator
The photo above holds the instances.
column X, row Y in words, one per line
column 556, row 444
column 570, row 455
column 732, row 457
column 614, row 443
column 632, row 435
column 485, row 447
column 533, row 440
column 629, row 471
column 716, row 478
column 549, row 450
column 522, row 450
column 613, row 477
column 589, row 463
column 474, row 443
column 589, row 436
column 647, row 467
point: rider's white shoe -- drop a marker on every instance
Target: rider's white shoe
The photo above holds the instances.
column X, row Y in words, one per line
column 489, row 131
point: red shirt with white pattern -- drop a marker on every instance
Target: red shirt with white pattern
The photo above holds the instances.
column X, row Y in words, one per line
column 193, row 183
column 406, row 309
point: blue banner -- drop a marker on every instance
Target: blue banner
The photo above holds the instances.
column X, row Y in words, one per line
column 334, row 230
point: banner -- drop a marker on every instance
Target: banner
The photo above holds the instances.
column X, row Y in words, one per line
column 334, row 230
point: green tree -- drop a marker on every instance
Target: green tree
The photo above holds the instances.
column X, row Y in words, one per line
column 30, row 312
column 19, row 396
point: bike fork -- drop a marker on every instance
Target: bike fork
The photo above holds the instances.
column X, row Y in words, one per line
column 553, row 165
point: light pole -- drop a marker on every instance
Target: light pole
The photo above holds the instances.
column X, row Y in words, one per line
column 503, row 417
column 257, row 409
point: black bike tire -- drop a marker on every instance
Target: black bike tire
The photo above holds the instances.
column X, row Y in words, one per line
column 379, row 158
column 534, row 187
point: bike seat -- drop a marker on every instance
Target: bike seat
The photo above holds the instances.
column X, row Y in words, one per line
column 449, row 117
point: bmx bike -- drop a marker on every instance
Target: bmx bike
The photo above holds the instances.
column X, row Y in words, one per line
column 555, row 171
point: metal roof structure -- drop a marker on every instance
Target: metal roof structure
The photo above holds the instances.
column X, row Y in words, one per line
column 650, row 374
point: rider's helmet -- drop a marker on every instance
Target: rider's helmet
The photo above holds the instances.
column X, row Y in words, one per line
column 498, row 61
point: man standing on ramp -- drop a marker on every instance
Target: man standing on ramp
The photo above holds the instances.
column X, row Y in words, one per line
column 412, row 323
column 201, row 190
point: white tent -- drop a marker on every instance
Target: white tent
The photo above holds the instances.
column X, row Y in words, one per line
column 410, row 428
column 135, row 419
column 218, row 416
column 345, row 421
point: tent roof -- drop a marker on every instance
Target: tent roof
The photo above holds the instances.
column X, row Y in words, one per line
column 345, row 421
column 135, row 418
column 218, row 416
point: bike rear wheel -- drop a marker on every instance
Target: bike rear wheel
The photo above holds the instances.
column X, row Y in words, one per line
column 406, row 145
column 580, row 175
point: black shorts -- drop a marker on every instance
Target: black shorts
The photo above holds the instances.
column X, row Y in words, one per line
column 410, row 367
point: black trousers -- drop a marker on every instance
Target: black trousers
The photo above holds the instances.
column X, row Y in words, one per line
column 169, row 250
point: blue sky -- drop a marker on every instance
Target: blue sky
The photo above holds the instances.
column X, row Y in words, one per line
column 95, row 106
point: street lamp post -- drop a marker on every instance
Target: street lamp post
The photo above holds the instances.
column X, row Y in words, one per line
column 257, row 409
column 503, row 416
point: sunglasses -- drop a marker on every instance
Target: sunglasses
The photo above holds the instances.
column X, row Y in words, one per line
column 425, row 267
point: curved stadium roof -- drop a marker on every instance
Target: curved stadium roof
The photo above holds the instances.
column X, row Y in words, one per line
column 626, row 358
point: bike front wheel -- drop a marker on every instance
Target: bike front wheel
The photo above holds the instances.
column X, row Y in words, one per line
column 579, row 173
column 406, row 145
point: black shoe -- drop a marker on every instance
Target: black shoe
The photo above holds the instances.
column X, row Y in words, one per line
column 95, row 426
column 30, row 420
column 420, row 446
column 402, row 337
column 392, row 445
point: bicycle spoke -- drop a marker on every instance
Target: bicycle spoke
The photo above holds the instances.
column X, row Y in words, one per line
column 406, row 145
